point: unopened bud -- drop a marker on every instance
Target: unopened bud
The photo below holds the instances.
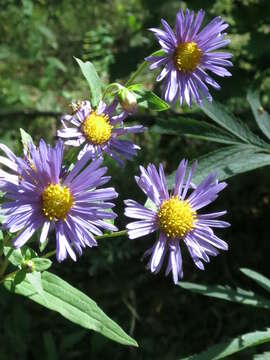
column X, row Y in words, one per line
column 28, row 265
column 127, row 100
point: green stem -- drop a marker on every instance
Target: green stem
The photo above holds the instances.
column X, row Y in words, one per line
column 141, row 67
column 109, row 88
column 112, row 235
column 5, row 241
column 10, row 275
column 5, row 263
column 105, row 236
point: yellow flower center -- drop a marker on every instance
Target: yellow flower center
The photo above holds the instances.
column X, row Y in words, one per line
column 187, row 56
column 57, row 201
column 97, row 128
column 176, row 217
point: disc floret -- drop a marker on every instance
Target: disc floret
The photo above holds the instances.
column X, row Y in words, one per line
column 176, row 217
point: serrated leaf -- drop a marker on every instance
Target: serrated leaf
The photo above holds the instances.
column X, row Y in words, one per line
column 261, row 280
column 227, row 121
column 72, row 304
column 227, row 293
column 41, row 264
column 227, row 162
column 150, row 100
column 90, row 74
column 26, row 139
column 232, row 346
column 194, row 129
column 261, row 116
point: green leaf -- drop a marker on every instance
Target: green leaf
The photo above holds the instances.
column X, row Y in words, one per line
column 72, row 304
column 227, row 162
column 150, row 100
column 34, row 279
column 264, row 356
column 261, row 116
column 41, row 264
column 232, row 346
column 149, row 204
column 261, row 280
column 194, row 129
column 90, row 74
column 25, row 138
column 237, row 295
column 17, row 256
column 227, row 121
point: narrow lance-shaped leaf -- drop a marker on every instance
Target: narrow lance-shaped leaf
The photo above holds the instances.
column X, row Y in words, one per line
column 194, row 129
column 227, row 121
column 232, row 346
column 90, row 74
column 227, row 293
column 227, row 162
column 261, row 116
column 261, row 280
column 72, row 304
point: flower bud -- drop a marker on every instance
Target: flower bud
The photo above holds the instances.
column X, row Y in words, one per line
column 127, row 100
column 28, row 265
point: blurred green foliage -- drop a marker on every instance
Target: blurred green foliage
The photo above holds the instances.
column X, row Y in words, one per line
column 38, row 79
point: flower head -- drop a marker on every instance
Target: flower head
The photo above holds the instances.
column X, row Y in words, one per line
column 188, row 55
column 42, row 196
column 99, row 130
column 176, row 216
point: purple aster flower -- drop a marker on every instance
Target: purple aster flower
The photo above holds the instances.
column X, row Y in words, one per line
column 9, row 161
column 42, row 196
column 188, row 55
column 177, row 218
column 99, row 131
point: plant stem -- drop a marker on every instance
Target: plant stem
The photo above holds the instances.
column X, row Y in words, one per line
column 141, row 67
column 5, row 263
column 112, row 235
column 105, row 236
column 12, row 274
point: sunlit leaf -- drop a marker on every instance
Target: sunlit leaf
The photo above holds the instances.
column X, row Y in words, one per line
column 260, row 114
column 227, row 293
column 258, row 278
column 232, row 346
column 90, row 74
column 72, row 304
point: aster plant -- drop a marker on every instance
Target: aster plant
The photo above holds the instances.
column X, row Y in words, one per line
column 54, row 198
column 176, row 218
column 189, row 54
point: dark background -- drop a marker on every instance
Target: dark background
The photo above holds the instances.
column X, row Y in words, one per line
column 38, row 79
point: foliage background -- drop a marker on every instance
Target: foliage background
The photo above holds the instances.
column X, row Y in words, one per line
column 39, row 78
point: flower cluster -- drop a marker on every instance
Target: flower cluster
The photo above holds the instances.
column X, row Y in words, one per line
column 42, row 193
